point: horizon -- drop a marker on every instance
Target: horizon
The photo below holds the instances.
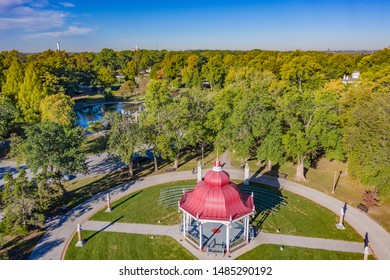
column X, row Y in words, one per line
column 179, row 25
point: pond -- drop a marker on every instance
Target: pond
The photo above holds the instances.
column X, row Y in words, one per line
column 92, row 113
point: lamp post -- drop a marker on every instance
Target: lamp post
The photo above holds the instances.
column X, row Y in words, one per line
column 108, row 203
column 80, row 242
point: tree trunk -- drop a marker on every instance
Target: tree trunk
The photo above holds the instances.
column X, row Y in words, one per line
column 269, row 167
column 300, row 175
column 131, row 170
column 155, row 161
column 176, row 162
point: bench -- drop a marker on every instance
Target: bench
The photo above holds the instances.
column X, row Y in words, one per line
column 362, row 207
column 170, row 169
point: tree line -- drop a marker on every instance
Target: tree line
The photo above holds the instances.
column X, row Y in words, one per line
column 269, row 105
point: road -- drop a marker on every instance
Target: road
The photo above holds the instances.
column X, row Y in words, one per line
column 96, row 165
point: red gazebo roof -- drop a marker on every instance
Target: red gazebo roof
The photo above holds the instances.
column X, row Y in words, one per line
column 216, row 198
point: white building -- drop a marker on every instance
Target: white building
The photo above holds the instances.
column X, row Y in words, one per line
column 354, row 78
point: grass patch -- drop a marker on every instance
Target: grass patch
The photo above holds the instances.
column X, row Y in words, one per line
column 123, row 246
column 303, row 217
column 321, row 178
column 273, row 252
column 142, row 207
column 81, row 190
column 19, row 247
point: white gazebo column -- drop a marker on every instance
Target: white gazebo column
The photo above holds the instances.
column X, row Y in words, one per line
column 227, row 238
column 184, row 224
column 247, row 229
column 200, row 236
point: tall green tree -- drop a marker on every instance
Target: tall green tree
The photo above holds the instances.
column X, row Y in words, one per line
column 8, row 114
column 20, row 196
column 53, row 149
column 125, row 138
column 214, row 71
column 58, row 108
column 367, row 141
column 31, row 93
column 13, row 80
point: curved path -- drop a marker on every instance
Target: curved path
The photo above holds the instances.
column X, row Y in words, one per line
column 60, row 229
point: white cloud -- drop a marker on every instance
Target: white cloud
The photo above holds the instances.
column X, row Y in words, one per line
column 30, row 19
column 28, row 15
column 70, row 31
column 67, row 4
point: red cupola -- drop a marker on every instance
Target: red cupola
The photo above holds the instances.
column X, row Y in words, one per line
column 217, row 198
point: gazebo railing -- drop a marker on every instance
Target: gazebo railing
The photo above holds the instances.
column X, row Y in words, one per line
column 214, row 248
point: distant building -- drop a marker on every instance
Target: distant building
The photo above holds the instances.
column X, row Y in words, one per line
column 354, row 78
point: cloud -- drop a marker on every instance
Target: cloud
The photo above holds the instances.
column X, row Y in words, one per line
column 70, row 31
column 30, row 15
column 67, row 4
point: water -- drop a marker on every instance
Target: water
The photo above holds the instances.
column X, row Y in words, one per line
column 94, row 113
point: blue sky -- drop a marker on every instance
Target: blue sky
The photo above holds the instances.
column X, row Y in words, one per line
column 90, row 25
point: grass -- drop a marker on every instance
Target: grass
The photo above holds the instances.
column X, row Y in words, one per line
column 92, row 146
column 273, row 252
column 81, row 190
column 321, row 178
column 142, row 207
column 19, row 247
column 303, row 217
column 299, row 217
column 123, row 246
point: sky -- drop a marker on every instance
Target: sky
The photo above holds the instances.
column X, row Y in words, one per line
column 91, row 25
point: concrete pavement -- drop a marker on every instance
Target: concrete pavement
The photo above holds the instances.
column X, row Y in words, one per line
column 262, row 238
column 60, row 229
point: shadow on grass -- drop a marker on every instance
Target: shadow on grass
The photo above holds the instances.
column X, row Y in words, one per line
column 77, row 196
column 130, row 197
column 21, row 247
column 99, row 231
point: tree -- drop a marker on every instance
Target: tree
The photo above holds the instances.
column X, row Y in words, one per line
column 125, row 138
column 106, row 76
column 13, row 80
column 191, row 73
column 20, row 197
column 58, row 108
column 367, row 140
column 131, row 70
column 214, row 71
column 30, row 95
column 304, row 72
column 8, row 113
column 271, row 148
column 54, row 150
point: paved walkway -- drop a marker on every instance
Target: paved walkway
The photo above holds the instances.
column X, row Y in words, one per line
column 60, row 229
column 262, row 238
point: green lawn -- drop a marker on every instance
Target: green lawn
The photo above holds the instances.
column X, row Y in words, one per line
column 299, row 217
column 123, row 246
column 303, row 217
column 142, row 207
column 273, row 252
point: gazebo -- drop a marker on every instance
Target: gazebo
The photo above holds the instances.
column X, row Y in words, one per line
column 216, row 213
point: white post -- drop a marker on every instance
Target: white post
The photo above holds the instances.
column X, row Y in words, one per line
column 228, row 238
column 80, row 242
column 340, row 224
column 199, row 171
column 247, row 229
column 246, row 174
column 108, row 203
column 200, row 237
column 184, row 224
column 366, row 253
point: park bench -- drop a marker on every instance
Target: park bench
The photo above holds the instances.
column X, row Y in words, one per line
column 362, row 207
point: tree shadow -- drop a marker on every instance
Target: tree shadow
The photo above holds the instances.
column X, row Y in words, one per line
column 104, row 228
column 130, row 197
